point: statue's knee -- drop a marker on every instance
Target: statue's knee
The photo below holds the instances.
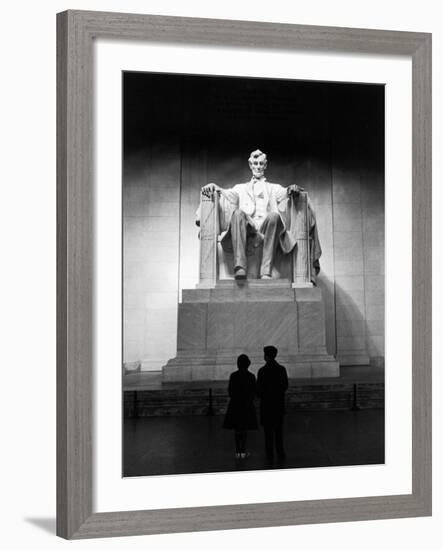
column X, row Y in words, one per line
column 273, row 217
column 238, row 214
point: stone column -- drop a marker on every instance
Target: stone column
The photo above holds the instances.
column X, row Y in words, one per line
column 301, row 255
column 209, row 229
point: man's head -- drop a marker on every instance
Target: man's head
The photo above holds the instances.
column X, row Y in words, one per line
column 270, row 353
column 258, row 163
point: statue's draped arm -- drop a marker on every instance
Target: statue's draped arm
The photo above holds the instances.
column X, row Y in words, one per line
column 289, row 236
column 228, row 202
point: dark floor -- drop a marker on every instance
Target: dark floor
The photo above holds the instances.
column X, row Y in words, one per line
column 198, row 444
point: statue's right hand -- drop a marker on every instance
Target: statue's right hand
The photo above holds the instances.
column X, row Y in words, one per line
column 209, row 189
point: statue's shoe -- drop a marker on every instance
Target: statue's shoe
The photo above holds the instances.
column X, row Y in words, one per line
column 266, row 277
column 240, row 273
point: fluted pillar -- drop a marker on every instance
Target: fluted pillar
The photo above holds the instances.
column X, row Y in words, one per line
column 208, row 241
column 301, row 255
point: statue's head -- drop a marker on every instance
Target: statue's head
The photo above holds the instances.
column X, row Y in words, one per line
column 258, row 163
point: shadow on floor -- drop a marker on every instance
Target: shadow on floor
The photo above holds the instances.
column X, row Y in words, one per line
column 199, row 444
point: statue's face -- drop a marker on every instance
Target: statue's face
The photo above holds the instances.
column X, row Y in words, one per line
column 258, row 166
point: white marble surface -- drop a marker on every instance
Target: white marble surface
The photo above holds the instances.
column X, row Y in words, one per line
column 217, row 325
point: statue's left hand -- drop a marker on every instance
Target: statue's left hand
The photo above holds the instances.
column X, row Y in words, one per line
column 295, row 189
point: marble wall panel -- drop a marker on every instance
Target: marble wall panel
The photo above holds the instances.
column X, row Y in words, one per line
column 349, row 311
column 352, row 252
column 160, row 334
column 152, row 208
column 139, row 199
column 138, row 244
column 193, row 178
column 165, row 162
column 346, row 211
column 156, row 255
column 134, row 327
column 351, row 327
column 375, row 290
column 375, row 238
column 374, row 250
column 375, row 312
column 356, row 300
column 376, row 346
column 147, row 225
column 349, row 265
column 150, row 252
column 350, row 343
column 349, row 224
column 375, row 327
column 351, row 283
column 375, row 267
column 374, row 224
column 374, row 254
column 158, row 301
column 348, row 258
column 346, row 239
column 133, row 349
column 141, row 276
column 319, row 187
column 346, row 187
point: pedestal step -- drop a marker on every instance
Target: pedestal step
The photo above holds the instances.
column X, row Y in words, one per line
column 253, row 283
column 196, row 367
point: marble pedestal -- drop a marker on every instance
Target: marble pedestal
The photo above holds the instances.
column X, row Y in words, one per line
column 216, row 325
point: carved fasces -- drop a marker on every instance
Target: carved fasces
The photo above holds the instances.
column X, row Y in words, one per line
column 301, row 259
column 209, row 230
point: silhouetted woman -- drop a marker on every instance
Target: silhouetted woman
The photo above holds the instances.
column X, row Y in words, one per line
column 240, row 415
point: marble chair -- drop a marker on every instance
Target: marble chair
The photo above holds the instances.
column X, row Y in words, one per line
column 216, row 264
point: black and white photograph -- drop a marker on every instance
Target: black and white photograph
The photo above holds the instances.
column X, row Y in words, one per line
column 253, row 274
column 221, row 276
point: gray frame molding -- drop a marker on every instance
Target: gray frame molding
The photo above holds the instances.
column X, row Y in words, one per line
column 76, row 31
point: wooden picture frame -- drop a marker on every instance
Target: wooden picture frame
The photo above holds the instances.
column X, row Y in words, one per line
column 76, row 31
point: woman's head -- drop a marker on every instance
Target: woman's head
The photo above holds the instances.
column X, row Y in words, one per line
column 243, row 362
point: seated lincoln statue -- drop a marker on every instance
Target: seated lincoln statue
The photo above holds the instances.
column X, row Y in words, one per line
column 261, row 213
column 271, row 232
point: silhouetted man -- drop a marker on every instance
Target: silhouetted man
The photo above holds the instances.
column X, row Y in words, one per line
column 272, row 383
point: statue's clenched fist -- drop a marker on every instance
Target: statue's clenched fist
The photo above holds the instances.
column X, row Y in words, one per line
column 209, row 189
column 294, row 189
